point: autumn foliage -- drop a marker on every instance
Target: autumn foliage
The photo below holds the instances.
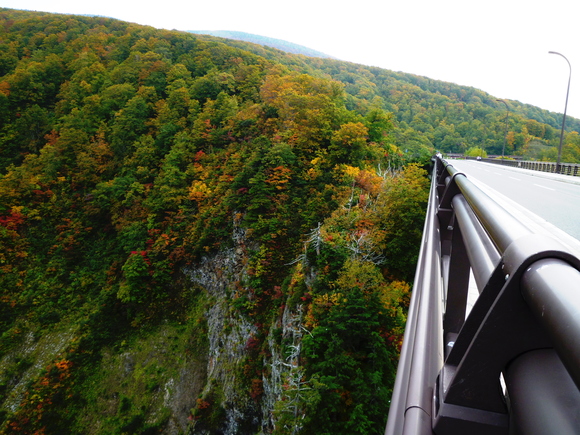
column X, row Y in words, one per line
column 130, row 155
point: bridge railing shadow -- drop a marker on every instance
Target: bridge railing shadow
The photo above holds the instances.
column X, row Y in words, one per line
column 512, row 366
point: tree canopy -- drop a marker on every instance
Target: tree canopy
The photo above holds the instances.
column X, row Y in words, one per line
column 167, row 198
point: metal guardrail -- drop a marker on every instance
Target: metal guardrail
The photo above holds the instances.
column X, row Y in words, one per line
column 512, row 365
column 572, row 169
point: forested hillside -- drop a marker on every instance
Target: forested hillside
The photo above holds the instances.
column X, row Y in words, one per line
column 194, row 238
column 209, row 238
column 432, row 114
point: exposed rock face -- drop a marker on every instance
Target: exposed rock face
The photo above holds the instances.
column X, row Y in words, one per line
column 285, row 371
column 230, row 334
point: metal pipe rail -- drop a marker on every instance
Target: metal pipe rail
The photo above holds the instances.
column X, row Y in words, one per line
column 525, row 322
column 422, row 350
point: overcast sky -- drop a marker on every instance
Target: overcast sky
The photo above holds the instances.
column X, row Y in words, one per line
column 498, row 46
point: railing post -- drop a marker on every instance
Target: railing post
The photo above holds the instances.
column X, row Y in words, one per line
column 457, row 282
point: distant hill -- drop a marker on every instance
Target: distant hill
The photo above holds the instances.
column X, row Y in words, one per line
column 430, row 113
column 280, row 44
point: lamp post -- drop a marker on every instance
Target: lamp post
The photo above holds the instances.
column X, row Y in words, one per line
column 506, row 129
column 565, row 107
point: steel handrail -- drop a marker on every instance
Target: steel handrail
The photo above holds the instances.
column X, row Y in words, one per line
column 529, row 287
column 420, row 361
column 474, row 234
column 552, row 290
column 501, row 226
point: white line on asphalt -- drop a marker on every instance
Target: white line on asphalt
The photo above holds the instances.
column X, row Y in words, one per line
column 544, row 187
column 514, row 178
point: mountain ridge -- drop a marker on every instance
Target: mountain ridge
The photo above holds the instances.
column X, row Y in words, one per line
column 526, row 109
column 279, row 44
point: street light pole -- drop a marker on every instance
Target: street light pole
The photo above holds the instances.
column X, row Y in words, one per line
column 565, row 107
column 506, row 129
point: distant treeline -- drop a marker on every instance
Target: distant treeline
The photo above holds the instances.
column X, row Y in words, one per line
column 432, row 114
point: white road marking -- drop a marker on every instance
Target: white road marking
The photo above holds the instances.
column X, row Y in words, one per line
column 543, row 187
